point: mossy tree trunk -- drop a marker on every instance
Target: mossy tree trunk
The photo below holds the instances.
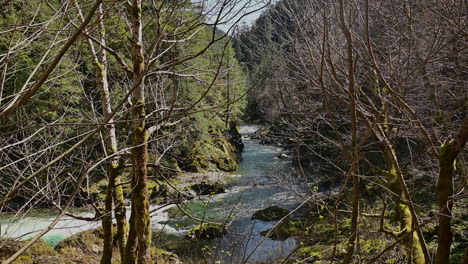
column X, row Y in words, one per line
column 114, row 192
column 394, row 180
column 447, row 157
column 138, row 245
column 110, row 145
column 400, row 197
column 353, row 171
column 403, row 214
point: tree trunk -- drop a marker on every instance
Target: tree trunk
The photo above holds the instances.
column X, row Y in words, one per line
column 114, row 192
column 140, row 228
column 403, row 214
column 114, row 189
column 106, row 257
column 132, row 242
column 353, row 171
column 447, row 157
column 120, row 213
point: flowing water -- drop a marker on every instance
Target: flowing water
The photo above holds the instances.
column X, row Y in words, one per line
column 254, row 186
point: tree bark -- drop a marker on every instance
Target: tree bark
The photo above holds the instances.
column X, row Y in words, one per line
column 447, row 157
column 110, row 144
column 140, row 228
column 114, row 192
column 403, row 214
column 353, row 171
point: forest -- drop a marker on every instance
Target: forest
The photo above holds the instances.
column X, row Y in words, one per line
column 233, row 131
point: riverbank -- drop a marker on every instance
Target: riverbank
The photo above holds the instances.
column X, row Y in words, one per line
column 253, row 187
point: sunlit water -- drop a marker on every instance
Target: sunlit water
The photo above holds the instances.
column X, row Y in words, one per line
column 254, row 188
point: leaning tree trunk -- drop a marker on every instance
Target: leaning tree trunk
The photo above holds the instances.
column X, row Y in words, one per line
column 139, row 242
column 447, row 156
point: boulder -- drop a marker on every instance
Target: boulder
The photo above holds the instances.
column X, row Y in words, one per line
column 162, row 256
column 213, row 153
column 83, row 247
column 39, row 253
column 207, row 231
column 272, row 213
column 206, row 188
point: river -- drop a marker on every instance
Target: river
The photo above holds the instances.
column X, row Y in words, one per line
column 254, row 186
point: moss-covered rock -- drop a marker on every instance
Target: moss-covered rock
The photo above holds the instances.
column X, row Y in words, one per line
column 162, row 256
column 8, row 247
column 163, row 191
column 286, row 229
column 272, row 213
column 235, row 138
column 41, row 248
column 83, row 247
column 207, row 231
column 24, row 260
column 213, row 153
column 206, row 188
column 170, row 165
column 39, row 253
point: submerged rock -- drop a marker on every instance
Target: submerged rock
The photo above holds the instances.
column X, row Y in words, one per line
column 207, row 231
column 205, row 188
column 283, row 156
column 272, row 213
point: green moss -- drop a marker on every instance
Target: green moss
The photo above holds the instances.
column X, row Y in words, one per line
column 207, row 231
column 39, row 253
column 272, row 213
column 41, row 248
column 162, row 256
column 285, row 230
column 215, row 153
column 371, row 246
column 206, row 188
column 312, row 253
column 84, row 247
column 23, row 260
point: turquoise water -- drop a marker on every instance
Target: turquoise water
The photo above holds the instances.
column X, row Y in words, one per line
column 27, row 226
